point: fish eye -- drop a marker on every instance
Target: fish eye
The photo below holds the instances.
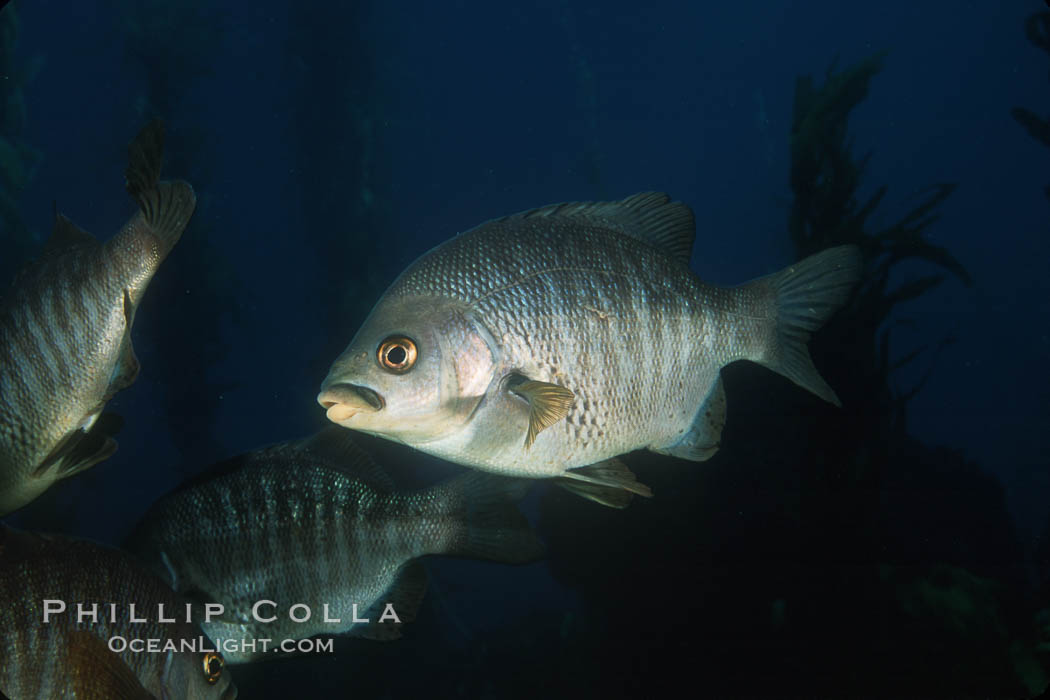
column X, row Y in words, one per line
column 397, row 354
column 213, row 665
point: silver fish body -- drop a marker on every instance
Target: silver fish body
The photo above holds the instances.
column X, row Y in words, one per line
column 552, row 340
column 315, row 523
column 65, row 343
column 64, row 657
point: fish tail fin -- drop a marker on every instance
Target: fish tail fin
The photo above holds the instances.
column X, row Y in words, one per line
column 166, row 206
column 493, row 527
column 805, row 295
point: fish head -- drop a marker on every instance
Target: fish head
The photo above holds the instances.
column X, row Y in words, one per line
column 200, row 675
column 415, row 371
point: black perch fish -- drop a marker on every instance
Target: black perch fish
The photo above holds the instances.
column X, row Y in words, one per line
column 315, row 523
column 65, row 332
column 48, row 649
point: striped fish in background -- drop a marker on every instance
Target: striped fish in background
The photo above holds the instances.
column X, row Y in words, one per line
column 317, row 523
column 70, row 655
column 65, row 332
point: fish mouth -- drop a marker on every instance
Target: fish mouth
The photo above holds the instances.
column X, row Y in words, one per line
column 230, row 693
column 344, row 401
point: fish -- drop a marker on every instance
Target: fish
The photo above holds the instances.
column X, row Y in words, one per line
column 65, row 332
column 45, row 577
column 548, row 343
column 316, row 523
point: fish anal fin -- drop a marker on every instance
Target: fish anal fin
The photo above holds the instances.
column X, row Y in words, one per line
column 609, row 496
column 610, row 483
column 129, row 311
column 110, row 677
column 704, row 436
column 376, row 631
column 548, row 404
column 127, row 368
column 405, row 596
column 494, row 528
column 126, row 371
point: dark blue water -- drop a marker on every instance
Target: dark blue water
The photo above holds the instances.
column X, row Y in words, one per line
column 332, row 146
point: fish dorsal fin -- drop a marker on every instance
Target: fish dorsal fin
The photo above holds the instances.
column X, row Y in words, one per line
column 100, row 673
column 18, row 545
column 648, row 216
column 548, row 404
column 65, row 235
column 337, row 446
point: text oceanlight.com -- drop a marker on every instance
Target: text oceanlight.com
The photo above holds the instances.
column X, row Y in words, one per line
column 226, row 646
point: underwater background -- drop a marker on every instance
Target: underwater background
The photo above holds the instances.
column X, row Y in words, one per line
column 899, row 545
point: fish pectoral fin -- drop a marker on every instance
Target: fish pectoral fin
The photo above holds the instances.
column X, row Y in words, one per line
column 548, row 404
column 103, row 674
column 81, row 449
column 704, row 436
column 609, row 483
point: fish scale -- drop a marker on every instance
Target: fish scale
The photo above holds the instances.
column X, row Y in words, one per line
column 632, row 284
column 36, row 661
column 313, row 522
column 65, row 345
column 549, row 342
